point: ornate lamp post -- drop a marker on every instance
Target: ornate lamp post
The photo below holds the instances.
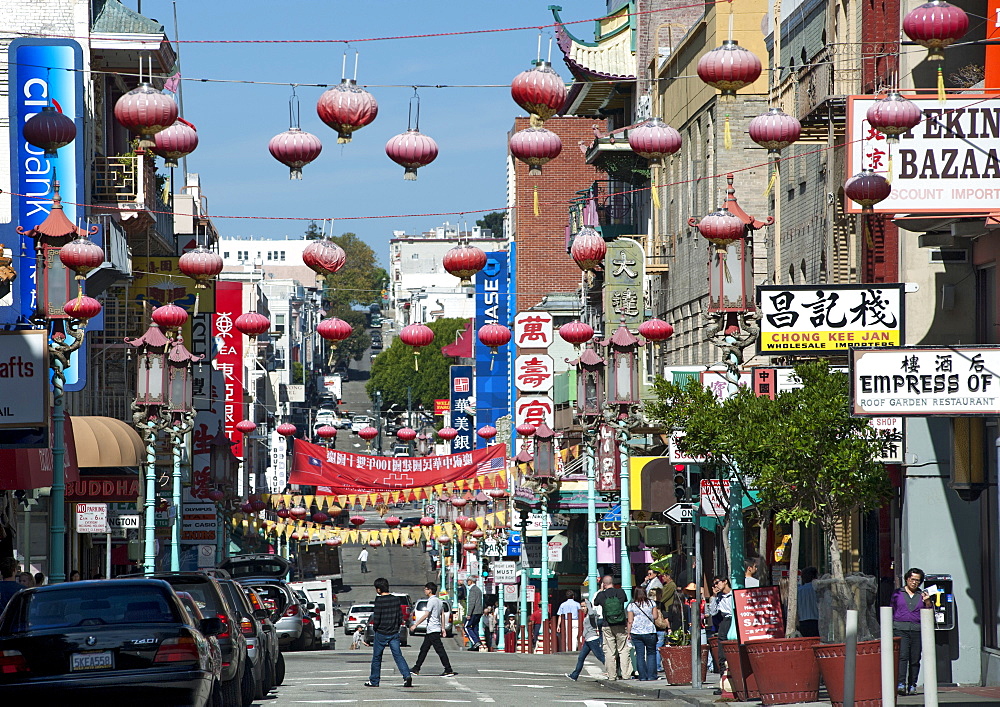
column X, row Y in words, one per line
column 544, row 475
column 66, row 324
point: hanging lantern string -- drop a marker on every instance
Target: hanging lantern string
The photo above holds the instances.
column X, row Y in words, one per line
column 293, row 110
column 409, row 117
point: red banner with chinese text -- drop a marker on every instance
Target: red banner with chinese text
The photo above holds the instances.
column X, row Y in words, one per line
column 341, row 473
column 229, row 357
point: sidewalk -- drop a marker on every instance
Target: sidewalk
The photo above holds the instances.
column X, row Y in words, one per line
column 968, row 696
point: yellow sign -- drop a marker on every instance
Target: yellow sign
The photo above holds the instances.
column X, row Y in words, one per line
column 791, row 341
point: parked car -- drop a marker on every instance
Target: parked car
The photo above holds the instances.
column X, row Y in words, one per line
column 311, row 613
column 420, row 607
column 237, row 673
column 214, row 651
column 100, row 642
column 357, row 616
column 264, row 617
column 358, row 422
column 266, row 574
column 258, row 649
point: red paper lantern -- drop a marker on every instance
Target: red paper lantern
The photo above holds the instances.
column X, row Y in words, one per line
column 470, row 546
column 458, row 502
column 867, row 189
column 299, row 512
column 444, row 539
column 656, row 330
column 375, row 542
column 320, row 517
column 426, row 521
column 576, row 333
column 295, row 148
column 411, row 150
column 393, row 521
column 81, row 255
column 496, row 493
column 409, row 542
column 145, row 111
column 334, row 541
column 774, row 130
column 477, row 534
column 893, row 115
column 334, row 329
column 540, row 91
column 324, row 256
column 467, row 524
column 82, row 307
column 49, row 130
column 201, row 265
column 326, row 432
column 257, row 503
column 721, row 228
column 406, row 434
column 368, row 433
column 170, row 316
column 179, row 140
column 282, row 513
column 416, row 335
column 654, row 140
column 296, row 536
column 487, row 432
column 246, row 426
column 935, row 25
column 535, row 147
column 525, row 429
column 357, row 520
column 729, row 67
column 588, row 249
column 346, row 107
column 246, row 507
column 494, row 336
column 286, row 429
column 252, row 324
column 447, row 433
column 464, row 261
column 216, row 495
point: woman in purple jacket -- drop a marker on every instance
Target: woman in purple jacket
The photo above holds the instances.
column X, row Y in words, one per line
column 906, row 603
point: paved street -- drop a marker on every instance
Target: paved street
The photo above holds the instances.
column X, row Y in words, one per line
column 337, row 677
column 406, row 568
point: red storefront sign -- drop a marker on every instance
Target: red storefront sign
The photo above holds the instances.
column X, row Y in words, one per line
column 758, row 613
column 110, row 489
column 229, row 359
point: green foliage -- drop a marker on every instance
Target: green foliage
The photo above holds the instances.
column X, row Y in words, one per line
column 492, row 221
column 392, row 370
column 678, row 637
column 359, row 282
column 807, row 457
column 312, row 232
column 298, row 373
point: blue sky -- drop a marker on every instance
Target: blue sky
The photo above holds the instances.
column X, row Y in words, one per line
column 470, row 125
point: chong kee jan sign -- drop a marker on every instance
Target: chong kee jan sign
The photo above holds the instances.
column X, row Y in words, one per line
column 926, row 381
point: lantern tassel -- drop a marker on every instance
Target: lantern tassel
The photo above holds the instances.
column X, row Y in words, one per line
column 535, row 198
column 654, row 191
column 416, row 361
column 197, row 301
column 867, row 232
column 888, row 170
column 942, row 96
column 727, row 135
column 720, row 253
column 772, row 180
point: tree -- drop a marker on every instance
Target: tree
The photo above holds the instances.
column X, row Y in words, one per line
column 808, row 458
column 493, row 221
column 393, row 370
column 357, row 284
column 312, row 232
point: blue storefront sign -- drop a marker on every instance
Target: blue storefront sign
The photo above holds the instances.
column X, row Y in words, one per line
column 462, row 419
column 492, row 370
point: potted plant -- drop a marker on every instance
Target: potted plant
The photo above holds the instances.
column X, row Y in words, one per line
column 676, row 658
column 810, row 463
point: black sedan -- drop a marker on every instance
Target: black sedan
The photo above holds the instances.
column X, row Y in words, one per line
column 109, row 643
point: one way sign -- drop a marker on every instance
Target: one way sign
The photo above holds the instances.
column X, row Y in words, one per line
column 680, row 513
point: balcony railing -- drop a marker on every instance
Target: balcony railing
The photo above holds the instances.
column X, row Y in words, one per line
column 131, row 181
column 612, row 208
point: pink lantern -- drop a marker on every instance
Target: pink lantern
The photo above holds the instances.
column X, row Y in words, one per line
column 478, row 534
column 246, row 426
column 216, row 495
column 409, row 542
column 346, row 107
column 334, row 541
column 447, row 433
column 867, row 189
column 357, row 521
column 444, row 539
column 540, row 91
column 406, row 434
column 525, row 429
column 535, row 147
column 49, row 130
column 324, row 257
column 326, row 432
column 286, row 429
column 334, row 329
column 729, row 67
column 82, row 307
column 470, row 546
column 496, row 493
column 656, row 330
column 246, row 507
column 893, row 115
column 411, row 150
column 494, row 336
column 282, row 513
column 588, row 249
column 253, row 324
column 416, row 335
column 654, row 140
column 393, row 521
column 427, row 521
column 935, row 25
column 487, row 432
column 722, row 227
column 458, row 502
column 320, row 517
column 295, row 148
column 145, row 111
column 368, row 433
column 463, row 261
column 774, row 130
column 201, row 265
column 81, row 255
column 375, row 542
column 297, row 536
column 170, row 316
column 576, row 333
column 467, row 524
column 175, row 142
column 299, row 512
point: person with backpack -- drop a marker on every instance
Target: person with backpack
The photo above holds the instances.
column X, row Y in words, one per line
column 610, row 603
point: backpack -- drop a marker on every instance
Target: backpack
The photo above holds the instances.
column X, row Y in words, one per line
column 614, row 610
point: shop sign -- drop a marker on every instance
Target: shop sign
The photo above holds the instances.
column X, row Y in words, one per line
column 948, row 381
column 492, row 381
column 463, row 414
column 534, row 373
column 947, row 164
column 675, row 455
column 624, row 270
column 229, row 358
column 534, row 410
column 758, row 613
column 442, row 406
column 607, row 529
column 811, row 319
column 533, row 330
column 198, row 523
column 24, row 379
column 112, row 489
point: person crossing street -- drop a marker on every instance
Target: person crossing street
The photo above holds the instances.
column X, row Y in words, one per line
column 363, row 559
column 435, row 617
column 474, row 611
column 386, row 619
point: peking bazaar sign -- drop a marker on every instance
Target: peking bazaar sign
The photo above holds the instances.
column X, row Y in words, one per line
column 229, row 357
column 948, row 163
column 758, row 613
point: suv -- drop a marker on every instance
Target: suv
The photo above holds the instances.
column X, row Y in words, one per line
column 209, row 597
column 258, row 649
column 266, row 575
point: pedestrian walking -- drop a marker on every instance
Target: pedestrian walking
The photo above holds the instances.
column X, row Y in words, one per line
column 642, row 616
column 436, row 619
column 474, row 612
column 571, row 608
column 490, row 627
column 386, row 619
column 363, row 559
column 906, row 603
column 610, row 603
column 591, row 641
column 808, row 608
column 720, row 608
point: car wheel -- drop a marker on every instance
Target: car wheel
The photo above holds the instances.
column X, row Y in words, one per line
column 279, row 669
column 300, row 643
column 231, row 696
column 248, row 688
column 264, row 686
column 217, row 699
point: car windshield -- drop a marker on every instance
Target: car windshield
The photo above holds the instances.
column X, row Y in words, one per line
column 96, row 606
column 272, row 596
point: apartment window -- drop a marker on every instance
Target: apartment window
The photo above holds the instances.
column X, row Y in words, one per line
column 268, row 255
column 279, row 324
column 225, row 255
column 282, row 256
column 986, row 306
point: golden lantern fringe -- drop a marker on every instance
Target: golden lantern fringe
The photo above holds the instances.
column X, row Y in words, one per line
column 416, row 361
column 721, row 253
column 772, row 180
column 888, row 170
column 535, row 201
column 197, row 302
column 942, row 95
column 654, row 190
column 867, row 231
column 727, row 135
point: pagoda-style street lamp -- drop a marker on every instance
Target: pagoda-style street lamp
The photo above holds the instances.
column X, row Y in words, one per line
column 65, row 318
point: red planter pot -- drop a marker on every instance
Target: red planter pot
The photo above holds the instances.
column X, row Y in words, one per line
column 677, row 664
column 786, row 669
column 868, row 673
column 741, row 677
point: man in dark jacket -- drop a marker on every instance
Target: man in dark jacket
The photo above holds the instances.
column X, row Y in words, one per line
column 474, row 611
column 386, row 619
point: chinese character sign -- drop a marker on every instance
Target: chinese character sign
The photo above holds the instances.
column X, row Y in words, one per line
column 608, row 461
column 492, row 391
column 462, row 416
column 810, row 319
column 534, row 373
column 533, row 330
column 624, row 267
column 534, row 410
column 229, row 357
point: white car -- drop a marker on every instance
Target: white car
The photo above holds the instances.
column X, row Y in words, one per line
column 358, row 422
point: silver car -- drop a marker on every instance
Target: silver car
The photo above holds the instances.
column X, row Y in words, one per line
column 357, row 616
column 421, row 607
column 266, row 574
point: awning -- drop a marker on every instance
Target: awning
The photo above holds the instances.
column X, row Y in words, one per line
column 32, row 468
column 105, row 441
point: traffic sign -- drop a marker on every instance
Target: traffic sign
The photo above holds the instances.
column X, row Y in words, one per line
column 504, row 572
column 680, row 513
column 92, row 518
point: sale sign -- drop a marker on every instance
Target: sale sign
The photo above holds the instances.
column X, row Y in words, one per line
column 758, row 613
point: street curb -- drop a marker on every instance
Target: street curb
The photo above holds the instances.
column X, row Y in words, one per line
column 670, row 692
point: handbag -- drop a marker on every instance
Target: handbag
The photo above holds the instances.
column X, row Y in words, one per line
column 660, row 622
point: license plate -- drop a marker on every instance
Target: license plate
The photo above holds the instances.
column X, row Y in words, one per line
column 97, row 660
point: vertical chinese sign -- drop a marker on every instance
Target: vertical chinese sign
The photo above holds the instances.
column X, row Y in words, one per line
column 229, row 357
column 534, row 369
column 624, row 273
column 492, row 381
column 461, row 416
